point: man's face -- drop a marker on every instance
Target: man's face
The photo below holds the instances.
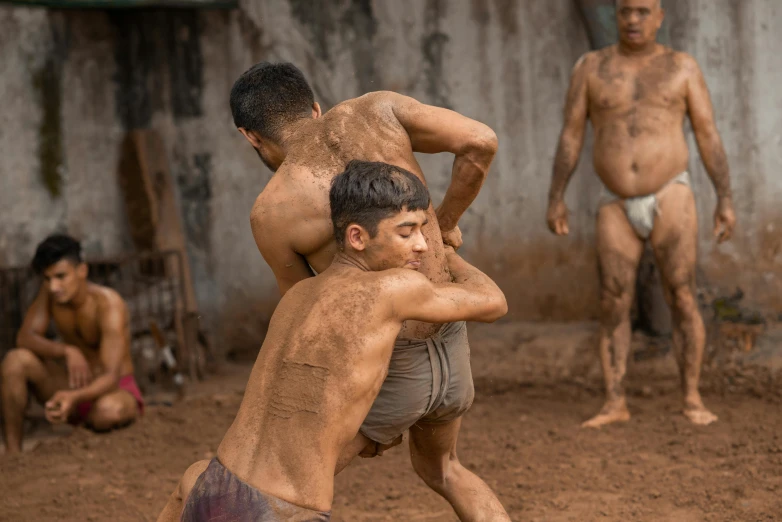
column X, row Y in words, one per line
column 399, row 242
column 638, row 21
column 64, row 279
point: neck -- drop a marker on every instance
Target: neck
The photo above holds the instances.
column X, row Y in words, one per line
column 645, row 50
column 351, row 260
column 79, row 299
column 290, row 132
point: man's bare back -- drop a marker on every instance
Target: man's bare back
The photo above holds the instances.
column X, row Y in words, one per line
column 326, row 355
column 294, row 204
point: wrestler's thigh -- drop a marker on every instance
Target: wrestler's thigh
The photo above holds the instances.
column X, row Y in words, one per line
column 619, row 249
column 675, row 236
column 45, row 376
column 433, row 444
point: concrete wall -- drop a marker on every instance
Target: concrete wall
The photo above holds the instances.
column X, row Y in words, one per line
column 72, row 82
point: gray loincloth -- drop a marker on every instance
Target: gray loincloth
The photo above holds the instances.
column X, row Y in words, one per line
column 641, row 210
column 428, row 380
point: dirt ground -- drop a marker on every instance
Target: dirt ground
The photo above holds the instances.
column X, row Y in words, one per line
column 522, row 436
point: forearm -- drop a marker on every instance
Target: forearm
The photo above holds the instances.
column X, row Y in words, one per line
column 565, row 162
column 41, row 346
column 468, row 173
column 464, row 273
column 97, row 388
column 716, row 162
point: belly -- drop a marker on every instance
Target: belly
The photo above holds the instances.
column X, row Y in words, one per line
column 639, row 165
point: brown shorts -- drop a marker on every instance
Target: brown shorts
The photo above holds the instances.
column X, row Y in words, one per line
column 220, row 496
column 428, row 380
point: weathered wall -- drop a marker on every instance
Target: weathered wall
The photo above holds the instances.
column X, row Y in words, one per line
column 72, row 82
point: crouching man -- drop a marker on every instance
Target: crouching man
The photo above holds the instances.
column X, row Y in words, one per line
column 87, row 377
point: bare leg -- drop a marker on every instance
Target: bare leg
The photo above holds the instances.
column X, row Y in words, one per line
column 619, row 252
column 364, row 447
column 433, row 453
column 675, row 245
column 115, row 409
column 21, row 368
column 172, row 511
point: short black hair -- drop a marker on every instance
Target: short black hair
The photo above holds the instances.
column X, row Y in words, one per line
column 268, row 96
column 370, row 191
column 53, row 249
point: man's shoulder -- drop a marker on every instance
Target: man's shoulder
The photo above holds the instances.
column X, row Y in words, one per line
column 590, row 60
column 108, row 299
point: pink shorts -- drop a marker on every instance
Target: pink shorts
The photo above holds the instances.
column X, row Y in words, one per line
column 127, row 383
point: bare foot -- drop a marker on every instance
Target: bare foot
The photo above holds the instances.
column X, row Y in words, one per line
column 614, row 411
column 699, row 415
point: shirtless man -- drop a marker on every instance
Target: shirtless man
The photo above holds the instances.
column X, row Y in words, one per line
column 429, row 385
column 326, row 355
column 86, row 377
column 636, row 94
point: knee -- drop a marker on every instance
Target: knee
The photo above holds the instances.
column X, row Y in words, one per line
column 436, row 471
column 110, row 412
column 17, row 362
column 615, row 303
column 683, row 300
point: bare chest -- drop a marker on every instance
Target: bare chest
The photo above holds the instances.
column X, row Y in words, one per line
column 658, row 86
column 79, row 328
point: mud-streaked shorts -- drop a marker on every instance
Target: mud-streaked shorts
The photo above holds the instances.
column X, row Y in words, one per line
column 428, row 380
column 220, row 496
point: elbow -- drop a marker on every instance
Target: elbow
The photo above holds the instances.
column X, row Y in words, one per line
column 481, row 151
column 498, row 307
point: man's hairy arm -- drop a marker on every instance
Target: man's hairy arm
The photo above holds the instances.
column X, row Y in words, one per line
column 473, row 296
column 114, row 347
column 288, row 266
column 571, row 139
column 712, row 151
column 709, row 142
column 433, row 130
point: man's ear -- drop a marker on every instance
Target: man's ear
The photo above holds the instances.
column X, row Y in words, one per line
column 356, row 236
column 252, row 137
column 316, row 112
column 82, row 270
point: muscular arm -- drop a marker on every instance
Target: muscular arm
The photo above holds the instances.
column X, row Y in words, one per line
column 31, row 334
column 288, row 266
column 571, row 139
column 709, row 142
column 114, row 347
column 473, row 296
column 433, row 130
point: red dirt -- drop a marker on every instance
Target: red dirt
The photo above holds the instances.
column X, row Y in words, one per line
column 521, row 436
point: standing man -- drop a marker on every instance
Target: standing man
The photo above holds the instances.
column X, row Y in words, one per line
column 88, row 376
column 429, row 385
column 637, row 94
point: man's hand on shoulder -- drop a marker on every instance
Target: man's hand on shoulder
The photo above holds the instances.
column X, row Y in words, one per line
column 452, row 238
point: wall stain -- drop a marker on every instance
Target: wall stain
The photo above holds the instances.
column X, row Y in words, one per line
column 47, row 82
column 147, row 43
column 433, row 46
column 185, row 62
column 195, row 190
